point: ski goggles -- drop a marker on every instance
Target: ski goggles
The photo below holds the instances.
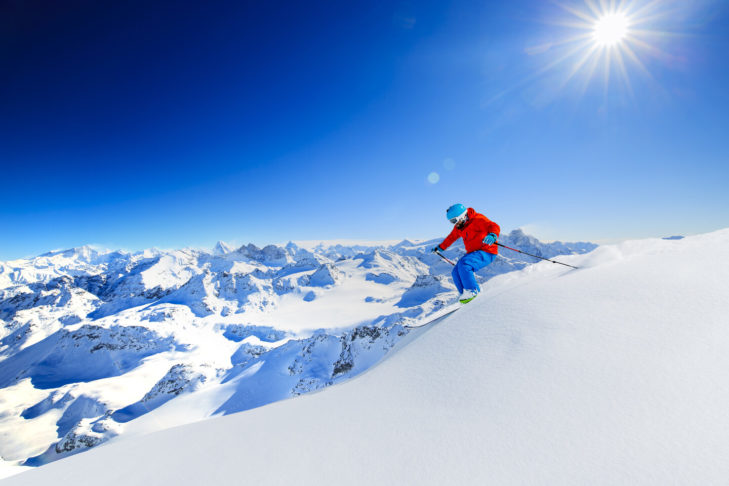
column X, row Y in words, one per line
column 458, row 219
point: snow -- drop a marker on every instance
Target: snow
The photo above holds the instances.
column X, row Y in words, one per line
column 611, row 374
column 340, row 306
column 313, row 244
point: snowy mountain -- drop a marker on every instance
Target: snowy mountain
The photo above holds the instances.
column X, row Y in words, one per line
column 611, row 374
column 96, row 344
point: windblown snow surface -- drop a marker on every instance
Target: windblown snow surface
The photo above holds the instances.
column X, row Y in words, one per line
column 615, row 373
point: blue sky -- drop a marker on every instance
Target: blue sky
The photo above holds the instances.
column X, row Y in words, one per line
column 172, row 124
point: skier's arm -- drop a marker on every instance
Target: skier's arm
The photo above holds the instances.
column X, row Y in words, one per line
column 487, row 227
column 453, row 236
column 494, row 228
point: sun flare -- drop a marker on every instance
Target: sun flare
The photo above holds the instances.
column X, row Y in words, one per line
column 607, row 41
column 610, row 29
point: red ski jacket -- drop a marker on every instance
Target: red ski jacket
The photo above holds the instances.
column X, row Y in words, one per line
column 473, row 232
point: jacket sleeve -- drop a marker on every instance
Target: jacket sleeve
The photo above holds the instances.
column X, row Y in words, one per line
column 494, row 228
column 486, row 226
column 453, row 236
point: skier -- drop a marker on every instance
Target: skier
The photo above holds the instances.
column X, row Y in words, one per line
column 479, row 237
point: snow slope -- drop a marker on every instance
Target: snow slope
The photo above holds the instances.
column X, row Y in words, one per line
column 92, row 341
column 611, row 374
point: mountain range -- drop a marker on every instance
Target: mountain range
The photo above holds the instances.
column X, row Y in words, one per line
column 92, row 341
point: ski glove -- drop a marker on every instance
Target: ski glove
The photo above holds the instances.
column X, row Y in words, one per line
column 436, row 249
column 490, row 239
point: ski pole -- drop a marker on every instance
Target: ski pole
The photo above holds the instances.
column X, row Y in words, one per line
column 445, row 258
column 535, row 256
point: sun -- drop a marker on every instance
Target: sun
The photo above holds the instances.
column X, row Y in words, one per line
column 602, row 40
column 610, row 29
column 608, row 42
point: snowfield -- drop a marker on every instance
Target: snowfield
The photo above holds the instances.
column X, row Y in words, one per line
column 611, row 374
column 92, row 341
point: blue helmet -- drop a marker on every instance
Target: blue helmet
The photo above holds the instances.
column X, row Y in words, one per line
column 456, row 213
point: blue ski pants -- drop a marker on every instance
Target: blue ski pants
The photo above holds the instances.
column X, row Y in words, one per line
column 469, row 263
